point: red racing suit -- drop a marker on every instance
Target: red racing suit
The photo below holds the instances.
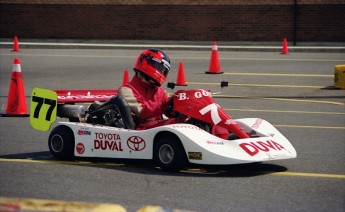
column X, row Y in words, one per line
column 150, row 103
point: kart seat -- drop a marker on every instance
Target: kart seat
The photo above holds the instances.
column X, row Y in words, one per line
column 125, row 112
column 123, row 108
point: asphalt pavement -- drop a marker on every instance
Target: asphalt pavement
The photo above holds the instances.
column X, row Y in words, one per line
column 295, row 92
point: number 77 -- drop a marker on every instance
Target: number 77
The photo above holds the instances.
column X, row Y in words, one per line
column 40, row 101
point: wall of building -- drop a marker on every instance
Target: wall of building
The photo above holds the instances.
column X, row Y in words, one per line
column 201, row 20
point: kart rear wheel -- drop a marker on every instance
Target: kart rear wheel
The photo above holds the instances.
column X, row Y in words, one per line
column 61, row 143
column 169, row 154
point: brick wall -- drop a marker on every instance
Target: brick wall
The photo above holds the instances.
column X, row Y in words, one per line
column 203, row 20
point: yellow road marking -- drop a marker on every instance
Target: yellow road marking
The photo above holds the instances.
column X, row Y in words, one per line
column 277, row 99
column 281, row 75
column 30, row 204
column 59, row 162
column 305, row 100
column 282, row 99
column 71, row 55
column 285, row 111
column 264, row 59
column 297, row 174
column 279, row 86
column 301, row 174
column 258, row 85
column 313, row 127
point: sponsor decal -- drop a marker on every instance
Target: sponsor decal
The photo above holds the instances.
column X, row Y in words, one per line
column 80, row 148
column 108, row 145
column 186, row 126
column 84, row 132
column 136, row 143
column 215, row 142
column 229, row 121
column 254, row 148
column 108, row 136
column 84, row 96
column 195, row 155
column 257, row 123
column 108, row 141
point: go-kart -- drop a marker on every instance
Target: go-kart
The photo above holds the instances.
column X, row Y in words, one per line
column 101, row 126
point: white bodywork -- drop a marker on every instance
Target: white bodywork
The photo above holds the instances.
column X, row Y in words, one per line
column 201, row 147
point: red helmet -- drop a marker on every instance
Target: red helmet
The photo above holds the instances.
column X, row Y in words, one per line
column 155, row 64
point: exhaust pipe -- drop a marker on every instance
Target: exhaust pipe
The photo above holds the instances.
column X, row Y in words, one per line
column 71, row 111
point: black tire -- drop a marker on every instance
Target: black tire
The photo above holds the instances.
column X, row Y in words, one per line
column 61, row 143
column 169, row 154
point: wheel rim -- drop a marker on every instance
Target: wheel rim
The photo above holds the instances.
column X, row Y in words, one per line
column 56, row 143
column 166, row 154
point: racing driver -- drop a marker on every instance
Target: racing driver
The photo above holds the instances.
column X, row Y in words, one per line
column 146, row 99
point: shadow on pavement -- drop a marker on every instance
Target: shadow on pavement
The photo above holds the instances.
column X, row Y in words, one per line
column 148, row 166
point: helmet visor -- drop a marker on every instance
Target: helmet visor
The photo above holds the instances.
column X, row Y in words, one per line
column 162, row 65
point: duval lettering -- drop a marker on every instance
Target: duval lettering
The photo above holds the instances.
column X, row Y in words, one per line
column 254, row 148
column 108, row 145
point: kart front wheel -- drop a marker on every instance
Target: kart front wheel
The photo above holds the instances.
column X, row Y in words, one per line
column 169, row 154
column 61, row 143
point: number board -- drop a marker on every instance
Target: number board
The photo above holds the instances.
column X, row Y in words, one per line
column 43, row 108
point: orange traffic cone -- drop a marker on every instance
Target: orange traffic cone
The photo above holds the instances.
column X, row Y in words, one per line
column 15, row 44
column 125, row 77
column 16, row 100
column 214, row 63
column 285, row 47
column 181, row 78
